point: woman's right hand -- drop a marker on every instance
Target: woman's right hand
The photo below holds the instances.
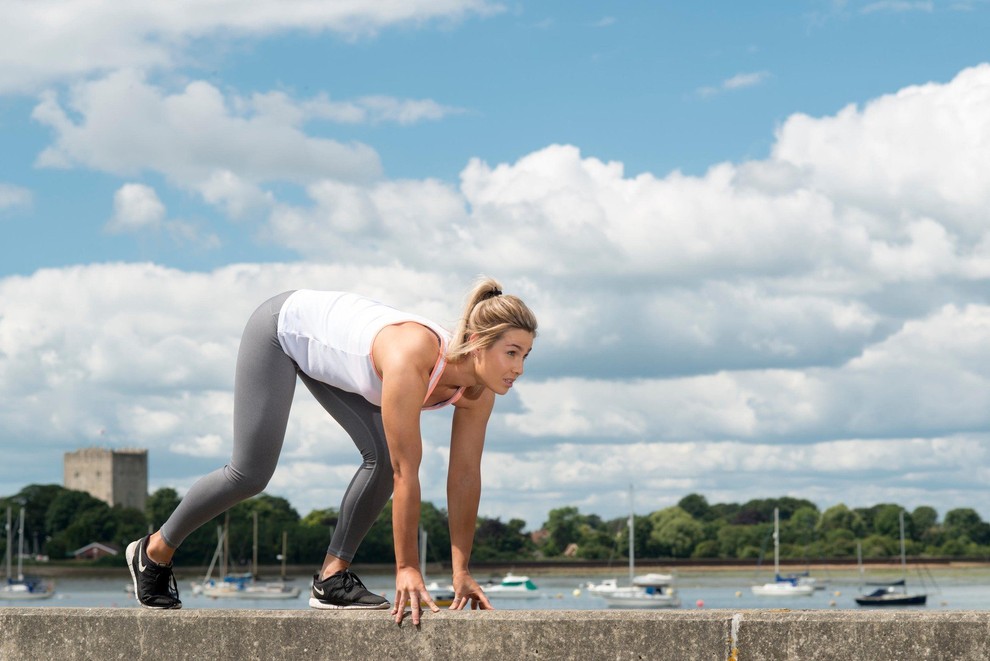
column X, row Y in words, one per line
column 410, row 588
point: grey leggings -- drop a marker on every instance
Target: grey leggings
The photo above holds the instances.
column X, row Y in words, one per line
column 264, row 383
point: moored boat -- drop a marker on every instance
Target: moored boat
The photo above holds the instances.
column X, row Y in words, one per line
column 512, row 586
column 22, row 588
column 782, row 586
column 651, row 590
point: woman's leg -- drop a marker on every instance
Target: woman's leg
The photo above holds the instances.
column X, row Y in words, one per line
column 371, row 486
column 264, row 383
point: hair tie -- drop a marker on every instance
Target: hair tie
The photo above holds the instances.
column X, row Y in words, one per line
column 491, row 294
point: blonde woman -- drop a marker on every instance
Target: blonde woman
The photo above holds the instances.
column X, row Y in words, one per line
column 374, row 369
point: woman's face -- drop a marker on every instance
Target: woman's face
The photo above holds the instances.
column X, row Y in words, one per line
column 498, row 366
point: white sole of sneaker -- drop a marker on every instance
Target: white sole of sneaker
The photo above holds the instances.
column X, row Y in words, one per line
column 129, row 556
column 319, row 605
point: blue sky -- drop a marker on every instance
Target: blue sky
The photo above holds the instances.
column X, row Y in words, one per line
column 756, row 235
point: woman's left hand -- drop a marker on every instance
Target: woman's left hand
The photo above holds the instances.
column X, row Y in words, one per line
column 467, row 590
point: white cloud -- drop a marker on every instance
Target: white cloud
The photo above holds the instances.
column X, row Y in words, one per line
column 739, row 81
column 377, row 110
column 47, row 40
column 897, row 6
column 127, row 126
column 12, row 196
column 136, row 207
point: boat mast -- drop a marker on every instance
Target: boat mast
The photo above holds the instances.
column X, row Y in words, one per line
column 9, row 531
column 285, row 542
column 20, row 548
column 422, row 552
column 903, row 557
column 776, row 543
column 859, row 562
column 632, row 537
column 254, row 548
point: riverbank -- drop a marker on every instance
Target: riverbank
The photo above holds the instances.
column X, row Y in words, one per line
column 546, row 568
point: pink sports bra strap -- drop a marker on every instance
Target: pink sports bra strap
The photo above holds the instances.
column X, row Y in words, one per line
column 435, row 379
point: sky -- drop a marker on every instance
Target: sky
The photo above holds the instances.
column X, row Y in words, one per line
column 756, row 235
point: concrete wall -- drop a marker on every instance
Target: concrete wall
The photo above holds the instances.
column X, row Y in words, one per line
column 131, row 633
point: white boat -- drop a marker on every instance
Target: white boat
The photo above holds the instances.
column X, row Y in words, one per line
column 782, row 586
column 650, row 590
column 442, row 596
column 22, row 588
column 512, row 586
column 241, row 586
column 606, row 585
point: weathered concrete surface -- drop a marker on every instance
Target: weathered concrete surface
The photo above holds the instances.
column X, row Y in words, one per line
column 685, row 635
column 864, row 635
column 107, row 633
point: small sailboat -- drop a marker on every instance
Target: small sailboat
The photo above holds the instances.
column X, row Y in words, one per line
column 22, row 588
column 442, row 596
column 893, row 593
column 245, row 585
column 650, row 590
column 782, row 586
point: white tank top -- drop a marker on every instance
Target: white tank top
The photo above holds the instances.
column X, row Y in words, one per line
column 330, row 334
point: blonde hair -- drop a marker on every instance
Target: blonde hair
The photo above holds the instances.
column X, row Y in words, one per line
column 488, row 314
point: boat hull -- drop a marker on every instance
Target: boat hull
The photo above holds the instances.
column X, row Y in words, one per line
column 906, row 600
column 783, row 590
column 636, row 597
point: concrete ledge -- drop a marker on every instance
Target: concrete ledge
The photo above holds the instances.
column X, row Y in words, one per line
column 108, row 633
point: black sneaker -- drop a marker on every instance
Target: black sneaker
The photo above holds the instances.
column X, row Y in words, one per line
column 154, row 584
column 343, row 590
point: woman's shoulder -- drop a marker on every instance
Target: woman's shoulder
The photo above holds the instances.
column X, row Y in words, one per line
column 408, row 340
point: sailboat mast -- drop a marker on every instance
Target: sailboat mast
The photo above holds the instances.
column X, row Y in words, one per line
column 632, row 537
column 903, row 557
column 776, row 543
column 422, row 552
column 20, row 548
column 285, row 543
column 254, row 548
column 9, row 531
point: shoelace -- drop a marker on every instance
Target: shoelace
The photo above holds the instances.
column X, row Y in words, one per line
column 170, row 585
column 351, row 579
column 173, row 587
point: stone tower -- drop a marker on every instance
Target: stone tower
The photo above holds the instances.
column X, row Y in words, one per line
column 117, row 477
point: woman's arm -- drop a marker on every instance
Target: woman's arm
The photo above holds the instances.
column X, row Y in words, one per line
column 467, row 441
column 404, row 355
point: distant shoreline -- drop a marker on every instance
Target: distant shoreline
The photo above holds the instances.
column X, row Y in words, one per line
column 543, row 568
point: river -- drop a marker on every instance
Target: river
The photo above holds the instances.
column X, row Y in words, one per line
column 948, row 588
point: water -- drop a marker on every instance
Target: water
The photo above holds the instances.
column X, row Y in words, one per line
column 947, row 589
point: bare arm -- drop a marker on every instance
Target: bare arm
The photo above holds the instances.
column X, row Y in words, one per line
column 467, row 441
column 404, row 355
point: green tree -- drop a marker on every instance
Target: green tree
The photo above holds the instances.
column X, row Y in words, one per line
column 495, row 540
column 840, row 517
column 675, row 532
column 925, row 520
column 563, row 525
column 965, row 522
column 160, row 505
column 696, row 505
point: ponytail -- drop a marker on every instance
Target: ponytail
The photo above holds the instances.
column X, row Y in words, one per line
column 488, row 314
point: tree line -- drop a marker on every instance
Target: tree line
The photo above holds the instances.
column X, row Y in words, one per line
column 59, row 521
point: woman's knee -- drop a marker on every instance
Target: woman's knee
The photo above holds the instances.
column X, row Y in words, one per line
column 247, row 484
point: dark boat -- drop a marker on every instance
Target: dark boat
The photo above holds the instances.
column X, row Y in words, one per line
column 893, row 594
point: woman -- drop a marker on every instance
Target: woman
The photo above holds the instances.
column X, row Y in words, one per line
column 374, row 369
